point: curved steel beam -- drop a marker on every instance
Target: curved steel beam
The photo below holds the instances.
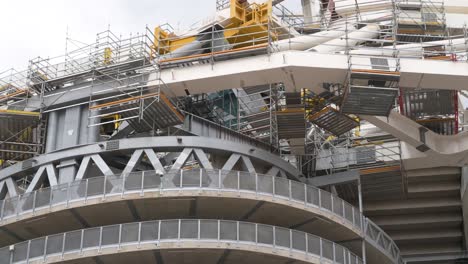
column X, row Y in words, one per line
column 161, row 144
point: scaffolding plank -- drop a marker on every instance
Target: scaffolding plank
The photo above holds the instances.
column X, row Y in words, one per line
column 333, row 121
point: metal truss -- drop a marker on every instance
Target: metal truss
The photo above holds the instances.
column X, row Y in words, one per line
column 125, row 157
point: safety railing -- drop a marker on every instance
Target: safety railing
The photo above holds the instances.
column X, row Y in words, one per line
column 267, row 37
column 13, row 86
column 108, row 51
column 177, row 231
column 375, row 234
column 363, row 153
column 197, row 179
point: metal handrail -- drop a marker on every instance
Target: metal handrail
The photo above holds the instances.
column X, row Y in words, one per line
column 202, row 179
column 179, row 231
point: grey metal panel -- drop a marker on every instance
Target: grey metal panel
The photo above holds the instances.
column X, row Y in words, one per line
column 204, row 128
column 369, row 101
column 379, row 63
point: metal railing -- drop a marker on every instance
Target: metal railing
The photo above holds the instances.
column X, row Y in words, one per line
column 361, row 154
column 176, row 231
column 109, row 50
column 198, row 179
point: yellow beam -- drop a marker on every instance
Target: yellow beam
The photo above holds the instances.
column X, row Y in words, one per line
column 18, row 112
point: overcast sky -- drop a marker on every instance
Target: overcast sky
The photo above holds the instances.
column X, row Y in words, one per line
column 31, row 28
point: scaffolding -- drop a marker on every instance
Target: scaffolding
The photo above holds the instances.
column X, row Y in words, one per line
column 256, row 113
column 423, row 18
column 434, row 109
column 23, row 132
column 372, row 86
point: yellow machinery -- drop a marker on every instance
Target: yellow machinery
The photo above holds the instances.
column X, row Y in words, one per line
column 247, row 26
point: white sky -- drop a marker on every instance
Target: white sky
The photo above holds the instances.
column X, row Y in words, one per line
column 31, row 28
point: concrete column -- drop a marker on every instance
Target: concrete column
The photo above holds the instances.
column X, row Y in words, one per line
column 307, row 6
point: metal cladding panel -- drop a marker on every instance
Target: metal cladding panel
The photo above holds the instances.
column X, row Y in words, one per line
column 291, row 125
column 417, row 104
column 369, row 101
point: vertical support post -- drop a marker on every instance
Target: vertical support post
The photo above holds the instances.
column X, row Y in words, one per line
column 104, row 188
column 81, row 241
column 321, row 249
column 18, row 205
column 34, row 202
column 343, row 207
column 256, row 182
column 45, row 248
column 178, row 229
column 201, row 178
column 334, row 252
column 273, row 178
column 86, row 190
column 120, row 236
column 320, row 198
column 238, row 181
column 139, row 234
column 124, row 176
column 142, row 192
column 332, row 203
column 212, row 47
column 159, row 230
column 28, row 252
column 181, row 178
column 274, row 236
column 219, row 179
column 2, row 210
column 63, row 243
column 363, row 232
column 256, row 233
column 100, row 239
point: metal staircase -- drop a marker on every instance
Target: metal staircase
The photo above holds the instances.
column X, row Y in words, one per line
column 427, row 219
column 321, row 111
